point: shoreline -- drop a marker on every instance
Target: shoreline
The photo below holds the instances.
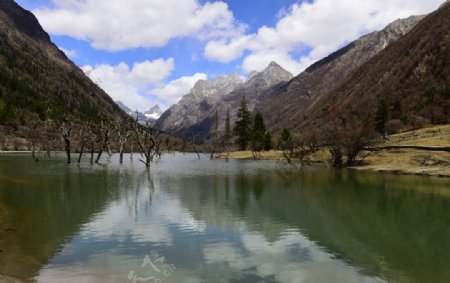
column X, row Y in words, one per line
column 398, row 162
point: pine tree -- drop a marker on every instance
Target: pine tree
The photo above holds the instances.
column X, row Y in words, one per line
column 242, row 126
column 382, row 116
column 268, row 142
column 258, row 133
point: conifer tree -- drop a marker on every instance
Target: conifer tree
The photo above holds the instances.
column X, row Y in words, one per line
column 258, row 133
column 382, row 116
column 242, row 126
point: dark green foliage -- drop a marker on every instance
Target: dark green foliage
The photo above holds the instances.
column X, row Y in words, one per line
column 268, row 142
column 258, row 134
column 446, row 91
column 286, row 138
column 31, row 81
column 242, row 127
column 382, row 116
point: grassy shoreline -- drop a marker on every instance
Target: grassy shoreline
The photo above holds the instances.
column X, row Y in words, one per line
column 398, row 161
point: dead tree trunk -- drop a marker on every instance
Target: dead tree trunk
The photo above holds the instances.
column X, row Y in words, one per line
column 104, row 142
column 148, row 142
column 123, row 133
column 65, row 129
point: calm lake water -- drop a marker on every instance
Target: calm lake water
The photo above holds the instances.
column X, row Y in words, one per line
column 190, row 220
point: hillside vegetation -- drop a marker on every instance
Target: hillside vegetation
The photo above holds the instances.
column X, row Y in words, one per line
column 411, row 77
column 35, row 76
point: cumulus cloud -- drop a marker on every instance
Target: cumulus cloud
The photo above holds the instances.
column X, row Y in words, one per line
column 126, row 24
column 174, row 90
column 321, row 26
column 129, row 85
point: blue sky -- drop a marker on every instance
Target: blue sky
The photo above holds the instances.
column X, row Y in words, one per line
column 144, row 52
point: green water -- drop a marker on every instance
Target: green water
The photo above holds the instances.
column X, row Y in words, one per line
column 190, row 220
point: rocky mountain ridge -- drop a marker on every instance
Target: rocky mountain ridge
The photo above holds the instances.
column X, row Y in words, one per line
column 194, row 116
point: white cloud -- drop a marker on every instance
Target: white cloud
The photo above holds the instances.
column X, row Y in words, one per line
column 129, row 85
column 322, row 26
column 274, row 259
column 174, row 90
column 120, row 25
column 69, row 53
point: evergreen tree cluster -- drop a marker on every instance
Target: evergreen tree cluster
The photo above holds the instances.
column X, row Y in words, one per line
column 251, row 134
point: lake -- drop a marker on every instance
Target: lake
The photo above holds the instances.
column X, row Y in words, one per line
column 190, row 220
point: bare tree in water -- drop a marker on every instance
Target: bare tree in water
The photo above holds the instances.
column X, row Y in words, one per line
column 148, row 141
column 105, row 135
column 84, row 137
column 123, row 131
column 65, row 127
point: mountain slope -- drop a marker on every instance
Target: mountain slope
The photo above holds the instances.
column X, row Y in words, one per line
column 200, row 122
column 202, row 97
column 412, row 75
column 36, row 75
column 286, row 106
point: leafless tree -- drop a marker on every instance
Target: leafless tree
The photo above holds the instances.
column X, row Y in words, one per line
column 50, row 135
column 148, row 141
column 123, row 131
column 105, row 135
column 286, row 145
column 65, row 127
column 32, row 137
column 347, row 140
column 84, row 136
column 355, row 138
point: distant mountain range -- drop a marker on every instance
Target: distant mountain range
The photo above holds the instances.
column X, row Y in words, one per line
column 194, row 114
column 358, row 74
column 148, row 116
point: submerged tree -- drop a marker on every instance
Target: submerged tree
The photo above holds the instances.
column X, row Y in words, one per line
column 65, row 127
column 123, row 131
column 104, row 139
column 84, row 136
column 148, row 141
